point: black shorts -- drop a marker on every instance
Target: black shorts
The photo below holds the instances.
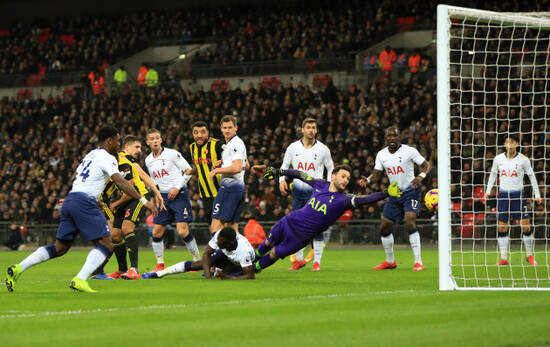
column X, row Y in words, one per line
column 133, row 211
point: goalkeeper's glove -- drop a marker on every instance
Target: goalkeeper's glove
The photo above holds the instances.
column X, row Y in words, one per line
column 393, row 190
column 272, row 173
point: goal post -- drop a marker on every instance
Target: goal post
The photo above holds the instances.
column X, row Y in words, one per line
column 493, row 82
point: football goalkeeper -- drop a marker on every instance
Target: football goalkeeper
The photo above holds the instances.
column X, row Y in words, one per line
column 327, row 203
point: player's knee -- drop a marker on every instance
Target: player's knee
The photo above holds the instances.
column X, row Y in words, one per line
column 61, row 247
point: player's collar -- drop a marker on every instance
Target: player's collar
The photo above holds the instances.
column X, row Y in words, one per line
column 398, row 148
column 302, row 142
column 231, row 138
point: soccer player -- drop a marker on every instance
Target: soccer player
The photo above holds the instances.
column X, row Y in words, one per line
column 204, row 153
column 326, row 205
column 80, row 212
column 166, row 167
column 312, row 157
column 398, row 161
column 125, row 213
column 511, row 203
column 229, row 201
column 227, row 250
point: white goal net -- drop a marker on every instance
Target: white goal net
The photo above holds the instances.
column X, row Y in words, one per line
column 493, row 83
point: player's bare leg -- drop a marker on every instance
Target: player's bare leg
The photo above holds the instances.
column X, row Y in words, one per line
column 190, row 242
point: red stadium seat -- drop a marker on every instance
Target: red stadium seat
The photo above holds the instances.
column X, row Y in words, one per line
column 321, row 80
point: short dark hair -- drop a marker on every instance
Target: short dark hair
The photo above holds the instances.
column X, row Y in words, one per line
column 229, row 118
column 129, row 139
column 228, row 234
column 337, row 168
column 106, row 132
column 199, row 124
column 309, row 120
column 387, row 130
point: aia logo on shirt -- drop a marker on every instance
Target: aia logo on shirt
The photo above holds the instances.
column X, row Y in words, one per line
column 160, row 173
column 509, row 173
column 395, row 170
column 306, row 166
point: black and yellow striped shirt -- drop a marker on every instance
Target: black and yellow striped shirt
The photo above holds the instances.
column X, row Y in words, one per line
column 204, row 157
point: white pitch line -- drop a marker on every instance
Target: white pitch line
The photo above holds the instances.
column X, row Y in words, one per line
column 31, row 314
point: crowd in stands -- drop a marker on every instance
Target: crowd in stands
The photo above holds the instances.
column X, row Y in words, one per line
column 44, row 139
column 305, row 29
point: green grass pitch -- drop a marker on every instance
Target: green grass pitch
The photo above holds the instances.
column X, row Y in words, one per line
column 346, row 304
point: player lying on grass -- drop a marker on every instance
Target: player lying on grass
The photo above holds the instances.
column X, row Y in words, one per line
column 327, row 203
column 227, row 250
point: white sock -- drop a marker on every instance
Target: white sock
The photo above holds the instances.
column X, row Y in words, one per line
column 414, row 239
column 318, row 246
column 36, row 257
column 174, row 269
column 387, row 242
column 158, row 249
column 326, row 235
column 300, row 255
column 94, row 259
column 503, row 245
column 529, row 242
column 193, row 248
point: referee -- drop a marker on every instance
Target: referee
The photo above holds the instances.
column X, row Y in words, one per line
column 205, row 152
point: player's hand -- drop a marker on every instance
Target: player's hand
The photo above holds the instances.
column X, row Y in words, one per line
column 272, row 173
column 283, row 187
column 258, row 168
column 113, row 206
column 363, row 181
column 60, row 201
column 416, row 182
column 394, row 190
column 213, row 173
column 217, row 164
column 486, row 196
column 152, row 207
column 538, row 200
column 159, row 202
column 173, row 193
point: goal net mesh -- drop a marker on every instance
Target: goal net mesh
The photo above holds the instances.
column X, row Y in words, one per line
column 499, row 86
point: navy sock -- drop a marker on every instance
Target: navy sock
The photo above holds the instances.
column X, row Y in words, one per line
column 157, row 239
column 187, row 265
column 51, row 251
column 188, row 238
column 412, row 231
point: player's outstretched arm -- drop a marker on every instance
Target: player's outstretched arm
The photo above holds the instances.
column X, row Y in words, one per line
column 248, row 274
column 149, row 182
column 129, row 189
column 393, row 190
column 272, row 173
column 206, row 262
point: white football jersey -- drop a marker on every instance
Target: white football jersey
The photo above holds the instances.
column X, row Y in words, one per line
column 511, row 173
column 243, row 255
column 166, row 170
column 234, row 150
column 311, row 160
column 399, row 166
column 94, row 171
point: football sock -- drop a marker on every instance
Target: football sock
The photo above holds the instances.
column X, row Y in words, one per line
column 387, row 243
column 191, row 244
column 93, row 260
column 318, row 246
column 300, row 255
column 414, row 239
column 503, row 245
column 132, row 248
column 39, row 256
column 529, row 241
column 120, row 254
column 174, row 269
column 101, row 268
column 266, row 261
column 158, row 249
column 263, row 249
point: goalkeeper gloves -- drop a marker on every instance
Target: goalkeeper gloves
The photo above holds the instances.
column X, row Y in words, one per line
column 393, row 190
column 272, row 173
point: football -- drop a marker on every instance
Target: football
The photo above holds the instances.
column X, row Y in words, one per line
column 432, row 200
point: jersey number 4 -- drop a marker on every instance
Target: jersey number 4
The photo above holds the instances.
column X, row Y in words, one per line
column 86, row 171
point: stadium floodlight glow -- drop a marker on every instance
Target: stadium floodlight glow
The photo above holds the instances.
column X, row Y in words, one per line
column 492, row 82
column 182, row 56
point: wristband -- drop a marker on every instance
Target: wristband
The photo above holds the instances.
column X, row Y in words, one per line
column 368, row 180
column 143, row 200
column 422, row 174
